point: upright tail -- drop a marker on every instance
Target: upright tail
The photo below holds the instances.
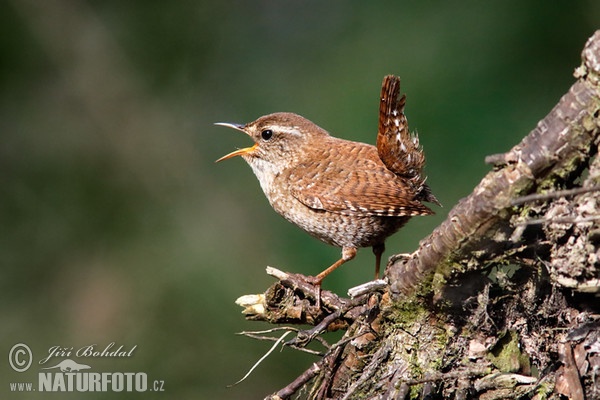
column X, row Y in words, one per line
column 397, row 147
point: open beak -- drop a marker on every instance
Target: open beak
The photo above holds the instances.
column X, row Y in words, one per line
column 238, row 152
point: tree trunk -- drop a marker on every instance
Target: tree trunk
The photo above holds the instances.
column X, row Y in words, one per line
column 500, row 301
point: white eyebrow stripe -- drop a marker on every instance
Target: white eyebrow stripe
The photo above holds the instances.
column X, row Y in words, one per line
column 291, row 130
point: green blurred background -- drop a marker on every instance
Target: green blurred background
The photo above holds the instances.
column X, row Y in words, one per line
column 117, row 226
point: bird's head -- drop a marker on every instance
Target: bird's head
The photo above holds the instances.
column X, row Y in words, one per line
column 280, row 140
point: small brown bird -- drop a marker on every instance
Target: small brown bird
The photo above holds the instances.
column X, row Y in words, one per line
column 345, row 193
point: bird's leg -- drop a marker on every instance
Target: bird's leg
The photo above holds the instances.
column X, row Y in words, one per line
column 378, row 250
column 348, row 253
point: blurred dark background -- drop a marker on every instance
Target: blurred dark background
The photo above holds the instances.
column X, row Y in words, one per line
column 117, row 226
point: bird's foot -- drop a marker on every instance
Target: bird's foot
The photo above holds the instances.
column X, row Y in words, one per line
column 316, row 282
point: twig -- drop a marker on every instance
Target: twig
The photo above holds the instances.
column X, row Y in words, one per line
column 306, row 376
column 563, row 220
column 497, row 160
column 261, row 359
column 366, row 287
column 305, row 337
column 553, row 195
column 258, row 336
column 277, row 273
column 276, row 329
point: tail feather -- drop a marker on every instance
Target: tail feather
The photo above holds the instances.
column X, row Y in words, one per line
column 397, row 147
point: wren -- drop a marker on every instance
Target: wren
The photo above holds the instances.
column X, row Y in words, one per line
column 348, row 194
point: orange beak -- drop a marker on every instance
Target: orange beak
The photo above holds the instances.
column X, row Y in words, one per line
column 239, row 152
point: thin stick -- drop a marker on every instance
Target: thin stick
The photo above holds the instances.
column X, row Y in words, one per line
column 553, row 195
column 280, row 340
column 258, row 336
column 563, row 220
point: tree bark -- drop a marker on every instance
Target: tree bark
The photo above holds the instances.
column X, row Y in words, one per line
column 500, row 301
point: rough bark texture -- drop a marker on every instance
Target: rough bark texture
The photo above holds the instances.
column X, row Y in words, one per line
column 500, row 301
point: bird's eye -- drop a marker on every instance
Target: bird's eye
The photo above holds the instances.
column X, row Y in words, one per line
column 266, row 134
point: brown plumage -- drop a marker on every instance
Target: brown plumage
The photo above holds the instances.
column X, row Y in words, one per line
column 345, row 193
